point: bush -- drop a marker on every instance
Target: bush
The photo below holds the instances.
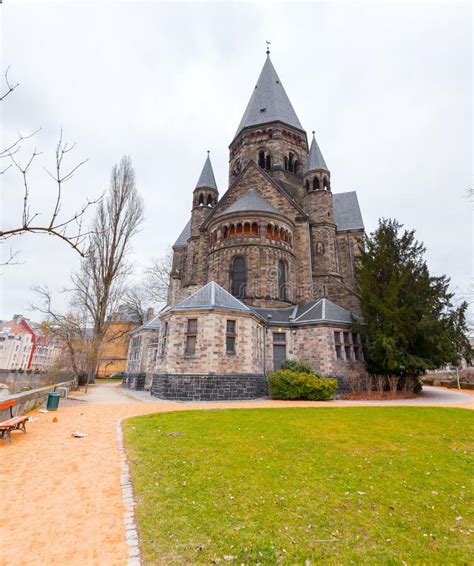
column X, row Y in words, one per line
column 297, row 365
column 287, row 384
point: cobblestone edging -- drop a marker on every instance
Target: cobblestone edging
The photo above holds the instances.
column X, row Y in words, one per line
column 130, row 525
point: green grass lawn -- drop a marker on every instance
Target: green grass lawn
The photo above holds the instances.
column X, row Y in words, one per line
column 304, row 486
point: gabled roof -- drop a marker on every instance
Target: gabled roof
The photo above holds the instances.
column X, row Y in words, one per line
column 315, row 158
column 347, row 215
column 322, row 310
column 269, row 102
column 251, row 201
column 220, row 206
column 319, row 311
column 206, row 178
column 183, row 238
column 211, row 296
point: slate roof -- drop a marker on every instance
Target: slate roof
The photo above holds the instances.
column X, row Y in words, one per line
column 182, row 240
column 269, row 102
column 347, row 215
column 317, row 311
column 206, row 178
column 210, row 296
column 315, row 158
column 153, row 324
column 251, row 201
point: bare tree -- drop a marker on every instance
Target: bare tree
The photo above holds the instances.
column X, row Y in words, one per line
column 99, row 284
column 136, row 300
column 157, row 278
column 68, row 227
column 70, row 327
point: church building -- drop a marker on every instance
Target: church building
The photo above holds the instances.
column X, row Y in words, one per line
column 265, row 271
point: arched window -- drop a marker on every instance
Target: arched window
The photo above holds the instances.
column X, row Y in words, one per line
column 247, row 228
column 325, row 182
column 232, row 230
column 201, row 200
column 209, row 200
column 269, row 231
column 291, row 164
column 254, row 229
column 238, row 277
column 261, row 159
column 281, row 280
column 268, row 162
column 315, row 184
column 239, row 229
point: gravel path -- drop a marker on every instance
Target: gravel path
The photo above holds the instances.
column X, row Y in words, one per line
column 61, row 495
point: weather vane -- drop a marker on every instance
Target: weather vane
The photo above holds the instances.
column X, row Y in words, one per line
column 268, row 46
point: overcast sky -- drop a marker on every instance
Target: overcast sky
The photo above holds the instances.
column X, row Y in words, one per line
column 387, row 87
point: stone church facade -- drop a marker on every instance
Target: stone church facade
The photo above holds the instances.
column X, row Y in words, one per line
column 264, row 272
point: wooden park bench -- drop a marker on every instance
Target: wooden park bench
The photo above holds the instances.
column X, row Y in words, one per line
column 13, row 423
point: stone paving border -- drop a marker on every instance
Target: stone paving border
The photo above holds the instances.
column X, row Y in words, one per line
column 131, row 529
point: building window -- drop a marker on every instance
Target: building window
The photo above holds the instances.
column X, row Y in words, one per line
column 238, row 277
column 191, row 336
column 356, row 344
column 281, row 280
column 230, row 337
column 338, row 345
column 316, row 184
column 164, row 339
column 347, row 346
column 261, row 159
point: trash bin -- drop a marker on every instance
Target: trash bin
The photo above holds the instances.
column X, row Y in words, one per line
column 53, row 401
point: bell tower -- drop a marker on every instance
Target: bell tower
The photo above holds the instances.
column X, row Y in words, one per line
column 319, row 208
column 270, row 133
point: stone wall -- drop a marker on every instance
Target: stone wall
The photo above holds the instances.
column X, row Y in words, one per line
column 315, row 345
column 29, row 400
column 135, row 381
column 208, row 387
column 210, row 355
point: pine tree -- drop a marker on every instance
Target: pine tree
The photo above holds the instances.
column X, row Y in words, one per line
column 410, row 324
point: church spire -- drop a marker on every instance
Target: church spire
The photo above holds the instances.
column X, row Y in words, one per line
column 205, row 194
column 269, row 102
column 315, row 158
column 206, row 178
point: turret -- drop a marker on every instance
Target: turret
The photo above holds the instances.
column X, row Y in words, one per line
column 318, row 206
column 205, row 196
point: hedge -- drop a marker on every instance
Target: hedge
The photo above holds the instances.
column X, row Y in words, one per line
column 287, row 384
column 297, row 365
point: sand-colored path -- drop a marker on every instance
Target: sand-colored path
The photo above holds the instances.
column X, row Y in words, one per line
column 60, row 497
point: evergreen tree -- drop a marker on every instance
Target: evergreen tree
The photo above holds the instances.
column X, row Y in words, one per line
column 410, row 324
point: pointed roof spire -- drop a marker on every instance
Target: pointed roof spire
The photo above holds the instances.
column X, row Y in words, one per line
column 315, row 158
column 206, row 178
column 269, row 101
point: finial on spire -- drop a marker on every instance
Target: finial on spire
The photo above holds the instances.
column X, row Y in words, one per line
column 209, row 151
column 313, row 133
column 268, row 46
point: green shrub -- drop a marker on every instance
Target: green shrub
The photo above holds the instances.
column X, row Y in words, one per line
column 297, row 365
column 287, row 384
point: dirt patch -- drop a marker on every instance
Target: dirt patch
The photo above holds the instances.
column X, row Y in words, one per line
column 376, row 396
